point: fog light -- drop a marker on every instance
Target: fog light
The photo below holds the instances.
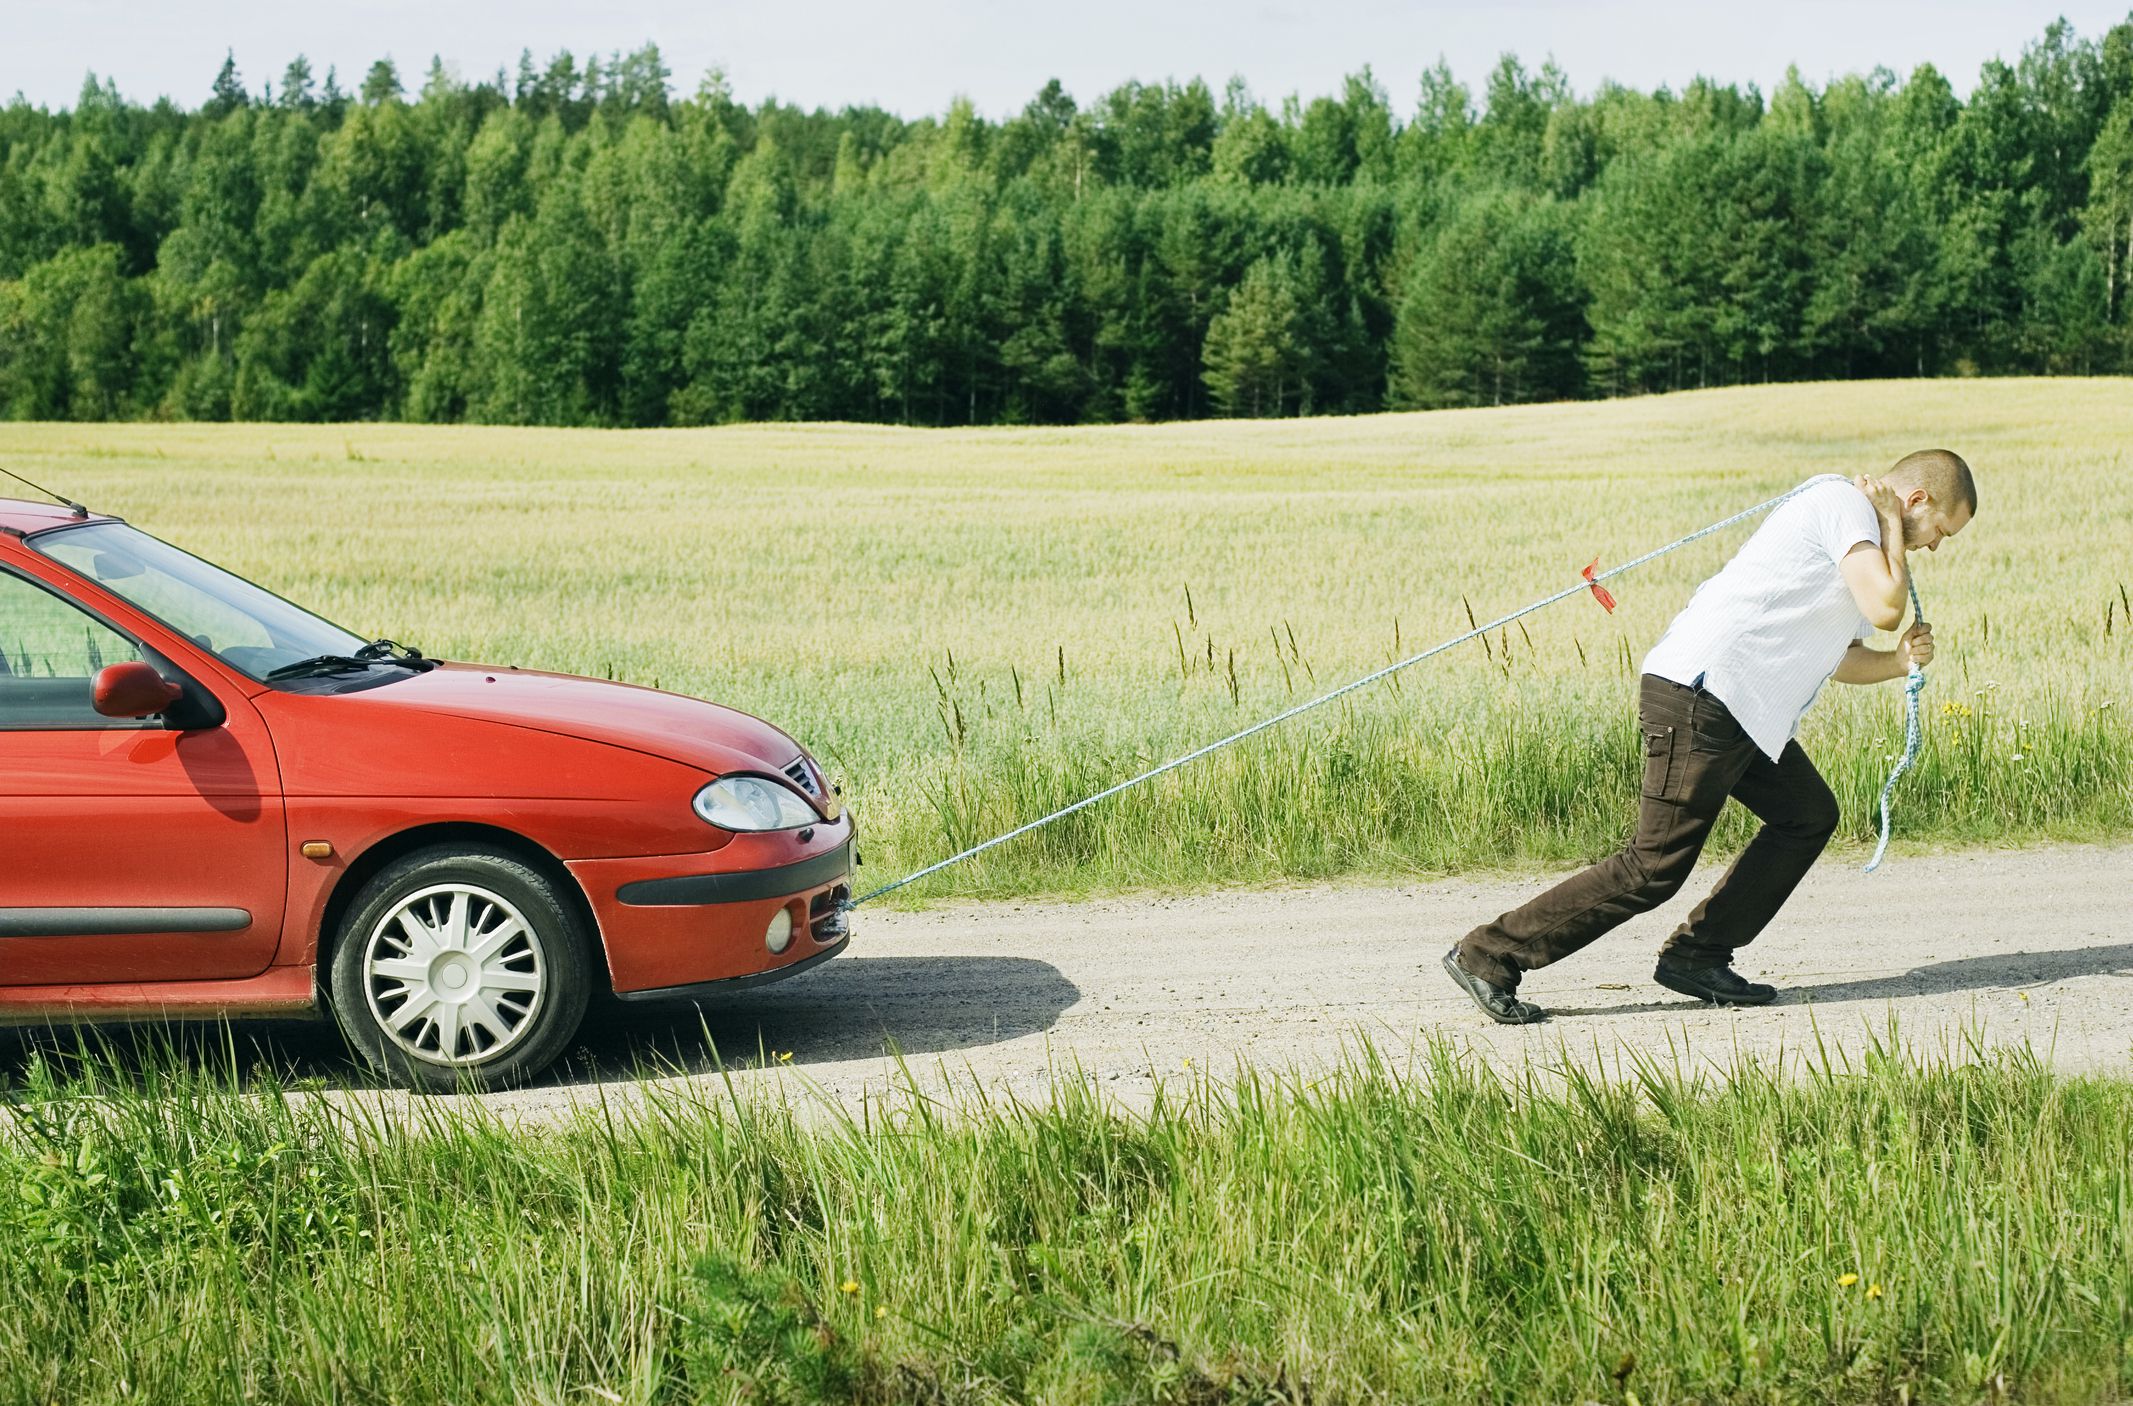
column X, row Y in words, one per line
column 778, row 936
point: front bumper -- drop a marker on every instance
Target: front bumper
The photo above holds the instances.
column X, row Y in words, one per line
column 685, row 921
column 702, row 990
column 744, row 886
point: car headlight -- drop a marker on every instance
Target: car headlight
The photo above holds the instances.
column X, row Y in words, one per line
column 753, row 803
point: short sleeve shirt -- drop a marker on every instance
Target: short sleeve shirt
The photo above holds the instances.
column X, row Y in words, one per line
column 1766, row 632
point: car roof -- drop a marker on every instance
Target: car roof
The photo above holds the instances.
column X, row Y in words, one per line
column 21, row 515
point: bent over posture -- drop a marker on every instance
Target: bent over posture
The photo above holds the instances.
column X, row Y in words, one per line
column 1722, row 696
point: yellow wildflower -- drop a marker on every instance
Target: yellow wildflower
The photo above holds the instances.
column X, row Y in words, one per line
column 1845, row 1281
column 1873, row 1291
column 850, row 1286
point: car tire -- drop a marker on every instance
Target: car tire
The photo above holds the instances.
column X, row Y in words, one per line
column 458, row 967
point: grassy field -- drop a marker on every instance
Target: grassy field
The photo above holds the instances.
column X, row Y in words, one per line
column 975, row 627
column 1907, row 1229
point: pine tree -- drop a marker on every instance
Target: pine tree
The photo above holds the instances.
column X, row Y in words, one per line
column 381, row 84
column 1254, row 356
column 297, row 89
column 1491, row 315
column 229, row 94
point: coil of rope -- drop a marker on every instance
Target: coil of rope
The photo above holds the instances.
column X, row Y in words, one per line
column 1912, row 737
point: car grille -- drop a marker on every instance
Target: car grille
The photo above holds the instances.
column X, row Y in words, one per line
column 803, row 776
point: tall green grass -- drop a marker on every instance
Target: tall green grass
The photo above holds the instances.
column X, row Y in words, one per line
column 1532, row 768
column 1956, row 1227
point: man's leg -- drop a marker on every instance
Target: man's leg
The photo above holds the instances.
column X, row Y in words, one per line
column 1692, row 758
column 1799, row 815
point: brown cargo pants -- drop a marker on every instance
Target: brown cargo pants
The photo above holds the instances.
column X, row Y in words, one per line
column 1695, row 756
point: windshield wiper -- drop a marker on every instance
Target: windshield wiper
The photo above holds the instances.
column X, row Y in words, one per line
column 383, row 649
column 322, row 664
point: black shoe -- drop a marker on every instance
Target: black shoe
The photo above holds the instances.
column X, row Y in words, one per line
column 1720, row 985
column 1498, row 1003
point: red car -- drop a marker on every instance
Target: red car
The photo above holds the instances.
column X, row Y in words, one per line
column 214, row 803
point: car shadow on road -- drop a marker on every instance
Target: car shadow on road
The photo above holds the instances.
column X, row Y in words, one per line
column 852, row 1008
column 1999, row 971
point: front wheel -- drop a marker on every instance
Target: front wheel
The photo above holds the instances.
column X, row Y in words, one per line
column 460, row 967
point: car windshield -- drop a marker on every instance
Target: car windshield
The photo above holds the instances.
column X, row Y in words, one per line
column 247, row 627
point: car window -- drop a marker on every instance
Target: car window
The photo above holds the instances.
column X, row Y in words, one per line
column 50, row 652
column 246, row 626
column 210, row 622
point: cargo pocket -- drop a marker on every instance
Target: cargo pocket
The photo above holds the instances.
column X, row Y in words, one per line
column 1659, row 750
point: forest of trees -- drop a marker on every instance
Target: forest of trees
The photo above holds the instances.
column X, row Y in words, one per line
column 580, row 246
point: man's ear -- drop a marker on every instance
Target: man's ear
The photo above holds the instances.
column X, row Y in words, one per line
column 1916, row 497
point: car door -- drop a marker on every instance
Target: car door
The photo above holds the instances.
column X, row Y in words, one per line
column 129, row 852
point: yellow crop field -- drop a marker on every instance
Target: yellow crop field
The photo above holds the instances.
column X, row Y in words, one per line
column 972, row 627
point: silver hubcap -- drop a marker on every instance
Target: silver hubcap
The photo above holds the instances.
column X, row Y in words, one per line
column 453, row 974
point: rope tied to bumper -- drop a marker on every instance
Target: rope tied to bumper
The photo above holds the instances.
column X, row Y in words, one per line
column 1588, row 581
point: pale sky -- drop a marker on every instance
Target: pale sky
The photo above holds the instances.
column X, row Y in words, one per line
column 913, row 57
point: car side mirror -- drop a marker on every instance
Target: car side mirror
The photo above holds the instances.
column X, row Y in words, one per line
column 133, row 690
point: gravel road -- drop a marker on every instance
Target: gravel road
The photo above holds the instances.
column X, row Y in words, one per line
column 1995, row 946
column 1957, row 949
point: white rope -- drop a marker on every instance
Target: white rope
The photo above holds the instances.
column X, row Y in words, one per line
column 1366, row 680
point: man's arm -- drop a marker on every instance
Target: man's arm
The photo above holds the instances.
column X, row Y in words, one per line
column 1862, row 664
column 1879, row 580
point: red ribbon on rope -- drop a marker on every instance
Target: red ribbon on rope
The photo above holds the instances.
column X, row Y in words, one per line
column 1599, row 592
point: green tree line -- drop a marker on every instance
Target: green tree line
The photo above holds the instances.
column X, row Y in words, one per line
column 578, row 245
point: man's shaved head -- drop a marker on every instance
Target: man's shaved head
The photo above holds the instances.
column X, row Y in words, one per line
column 1937, row 494
column 1942, row 473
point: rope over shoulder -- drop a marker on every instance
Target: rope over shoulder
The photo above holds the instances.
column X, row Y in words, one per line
column 1587, row 581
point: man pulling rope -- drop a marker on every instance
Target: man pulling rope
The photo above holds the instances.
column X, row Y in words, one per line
column 1721, row 700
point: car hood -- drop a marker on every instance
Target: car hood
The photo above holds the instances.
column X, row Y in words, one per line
column 685, row 730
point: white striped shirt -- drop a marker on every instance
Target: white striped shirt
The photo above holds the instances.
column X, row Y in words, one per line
column 1766, row 632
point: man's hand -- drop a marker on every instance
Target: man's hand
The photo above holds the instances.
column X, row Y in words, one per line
column 1888, row 503
column 1915, row 649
